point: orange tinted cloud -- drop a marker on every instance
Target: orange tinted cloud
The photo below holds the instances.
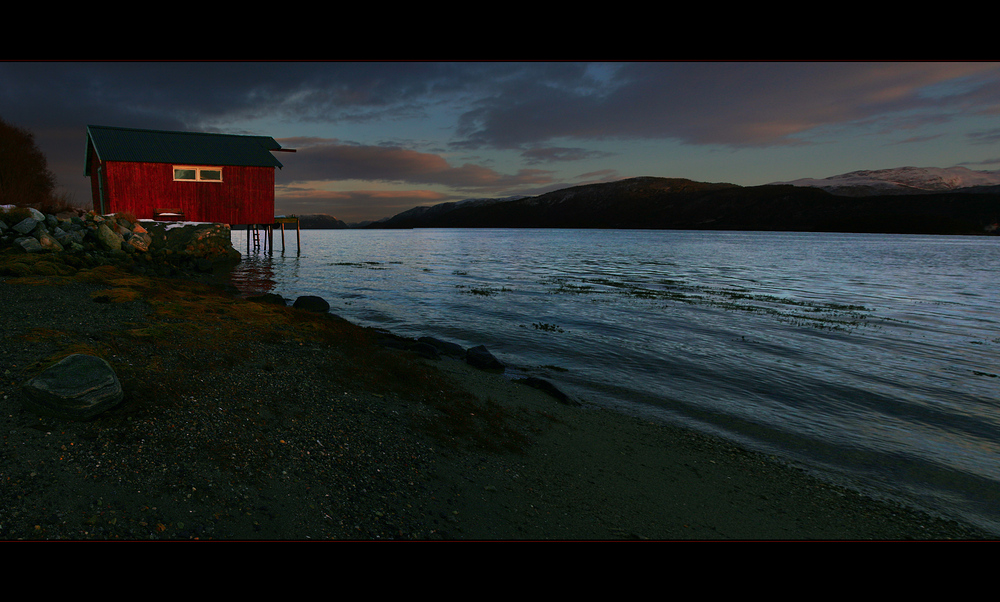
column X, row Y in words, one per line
column 353, row 205
column 319, row 159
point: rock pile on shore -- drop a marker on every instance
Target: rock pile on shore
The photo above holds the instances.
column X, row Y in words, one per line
column 88, row 239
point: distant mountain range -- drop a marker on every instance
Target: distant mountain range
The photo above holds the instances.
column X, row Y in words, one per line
column 903, row 200
column 905, row 180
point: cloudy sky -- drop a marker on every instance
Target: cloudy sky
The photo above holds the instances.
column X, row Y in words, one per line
column 377, row 138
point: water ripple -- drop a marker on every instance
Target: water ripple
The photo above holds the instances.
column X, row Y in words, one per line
column 876, row 357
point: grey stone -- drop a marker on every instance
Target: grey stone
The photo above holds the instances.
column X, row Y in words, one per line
column 312, row 303
column 108, row 239
column 49, row 242
column 30, row 244
column 26, row 226
column 480, row 357
column 77, row 388
column 76, row 236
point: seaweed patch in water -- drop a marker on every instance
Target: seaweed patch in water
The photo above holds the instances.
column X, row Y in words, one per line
column 363, row 265
column 483, row 291
column 831, row 316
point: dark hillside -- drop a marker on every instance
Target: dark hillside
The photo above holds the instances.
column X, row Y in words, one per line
column 320, row 221
column 673, row 203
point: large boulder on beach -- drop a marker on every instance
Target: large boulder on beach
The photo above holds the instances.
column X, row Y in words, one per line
column 312, row 303
column 77, row 388
column 270, row 298
column 480, row 357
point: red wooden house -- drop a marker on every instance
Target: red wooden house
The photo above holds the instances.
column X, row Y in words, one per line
column 188, row 176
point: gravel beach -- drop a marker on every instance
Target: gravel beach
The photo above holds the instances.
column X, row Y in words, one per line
column 250, row 421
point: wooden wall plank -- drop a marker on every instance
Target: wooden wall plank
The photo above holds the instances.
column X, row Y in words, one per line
column 245, row 195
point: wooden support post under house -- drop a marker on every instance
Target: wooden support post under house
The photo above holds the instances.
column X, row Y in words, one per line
column 298, row 230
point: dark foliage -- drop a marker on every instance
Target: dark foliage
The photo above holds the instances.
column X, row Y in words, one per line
column 25, row 178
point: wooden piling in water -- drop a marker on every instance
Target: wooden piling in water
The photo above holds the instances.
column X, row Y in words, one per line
column 254, row 235
column 298, row 230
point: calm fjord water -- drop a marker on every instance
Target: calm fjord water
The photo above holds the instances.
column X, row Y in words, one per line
column 873, row 359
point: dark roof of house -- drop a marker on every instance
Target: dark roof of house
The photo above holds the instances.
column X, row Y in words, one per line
column 194, row 148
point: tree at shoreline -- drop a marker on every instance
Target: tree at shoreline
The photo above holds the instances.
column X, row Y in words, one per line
column 25, row 178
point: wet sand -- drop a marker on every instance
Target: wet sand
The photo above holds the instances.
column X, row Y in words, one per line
column 244, row 421
column 598, row 474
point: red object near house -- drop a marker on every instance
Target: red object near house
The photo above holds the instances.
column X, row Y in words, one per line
column 182, row 176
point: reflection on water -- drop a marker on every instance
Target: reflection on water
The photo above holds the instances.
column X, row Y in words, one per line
column 254, row 275
column 875, row 358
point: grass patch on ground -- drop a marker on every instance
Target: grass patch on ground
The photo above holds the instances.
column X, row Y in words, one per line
column 193, row 328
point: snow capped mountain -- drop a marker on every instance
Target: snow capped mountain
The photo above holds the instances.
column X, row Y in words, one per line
column 901, row 180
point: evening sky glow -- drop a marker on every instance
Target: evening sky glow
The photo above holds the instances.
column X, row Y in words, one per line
column 377, row 138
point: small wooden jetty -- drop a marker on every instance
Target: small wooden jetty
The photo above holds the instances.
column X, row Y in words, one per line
column 254, row 232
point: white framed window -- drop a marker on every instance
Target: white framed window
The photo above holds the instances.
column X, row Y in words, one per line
column 194, row 173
